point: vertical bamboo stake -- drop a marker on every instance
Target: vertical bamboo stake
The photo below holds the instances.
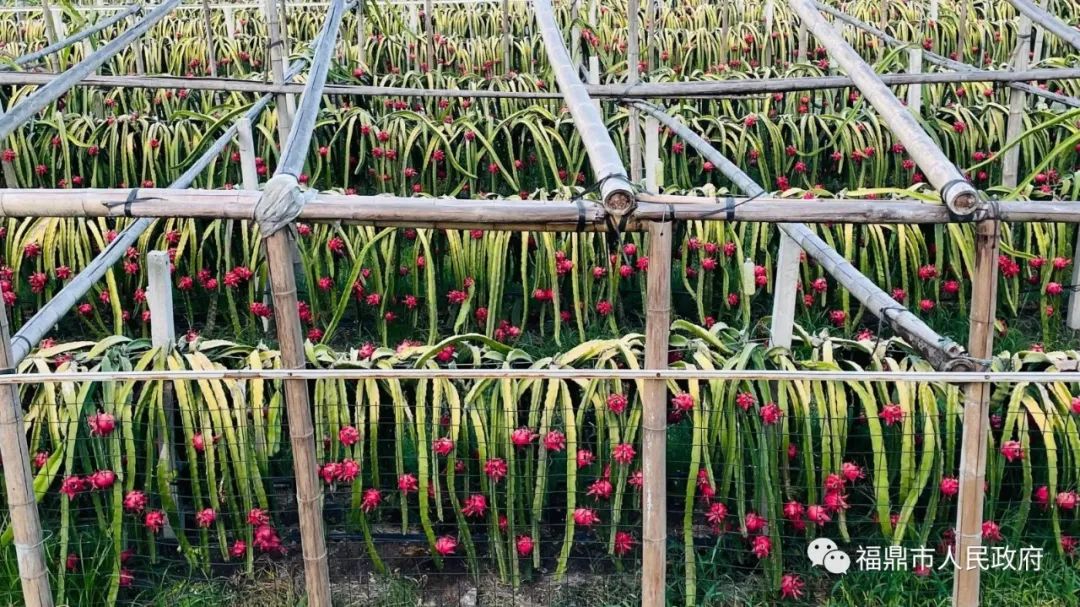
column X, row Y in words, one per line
column 1072, row 315
column 1017, row 99
column 784, row 292
column 137, row 50
column 163, row 335
column 230, row 21
column 19, row 481
column 575, row 32
column 429, row 33
column 594, row 76
column 652, row 20
column 632, row 60
column 654, row 422
column 725, row 34
column 914, row 92
column 506, row 35
column 1036, row 55
column 211, row 55
column 766, row 40
column 934, row 10
column 804, row 36
column 976, row 416
column 961, row 30
column 301, row 433
column 50, row 33
column 653, row 169
column 277, row 69
column 361, row 37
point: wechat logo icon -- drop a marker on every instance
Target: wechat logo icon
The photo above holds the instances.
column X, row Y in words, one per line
column 824, row 552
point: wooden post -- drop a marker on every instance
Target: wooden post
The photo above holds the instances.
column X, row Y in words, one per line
column 211, row 55
column 506, row 35
column 277, row 69
column 914, row 92
column 163, row 335
column 246, row 143
column 784, row 292
column 1010, row 165
column 969, row 515
column 654, row 422
column 654, row 171
column 632, row 60
column 19, row 481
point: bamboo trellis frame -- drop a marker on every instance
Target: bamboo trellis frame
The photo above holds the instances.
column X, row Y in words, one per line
column 639, row 211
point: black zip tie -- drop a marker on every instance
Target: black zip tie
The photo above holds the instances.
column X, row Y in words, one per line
column 729, row 208
column 8, row 371
column 132, row 198
column 580, row 215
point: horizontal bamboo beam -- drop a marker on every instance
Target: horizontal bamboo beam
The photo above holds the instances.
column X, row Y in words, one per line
column 942, row 377
column 1048, row 21
column 939, row 60
column 641, row 90
column 505, row 214
column 78, row 37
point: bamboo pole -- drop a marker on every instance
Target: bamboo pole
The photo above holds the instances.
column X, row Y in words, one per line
column 652, row 20
column 78, row 37
column 767, row 38
column 1040, row 34
column 229, row 18
column 506, row 35
column 531, row 214
column 429, row 33
column 940, row 351
column 50, row 33
column 277, row 70
column 615, row 190
column 211, row 55
column 633, row 59
column 1010, row 164
column 800, row 54
column 279, row 254
column 976, row 423
column 945, row 62
column 1072, row 315
column 955, row 191
column 361, row 36
column 19, row 483
column 643, row 90
column 654, row 422
column 29, row 107
column 137, row 50
column 914, row 93
column 1048, row 21
column 653, row 169
column 961, row 29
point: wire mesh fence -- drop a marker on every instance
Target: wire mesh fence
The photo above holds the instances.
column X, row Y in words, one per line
column 528, row 490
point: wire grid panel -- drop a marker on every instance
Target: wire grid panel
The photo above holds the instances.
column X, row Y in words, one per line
column 526, row 489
